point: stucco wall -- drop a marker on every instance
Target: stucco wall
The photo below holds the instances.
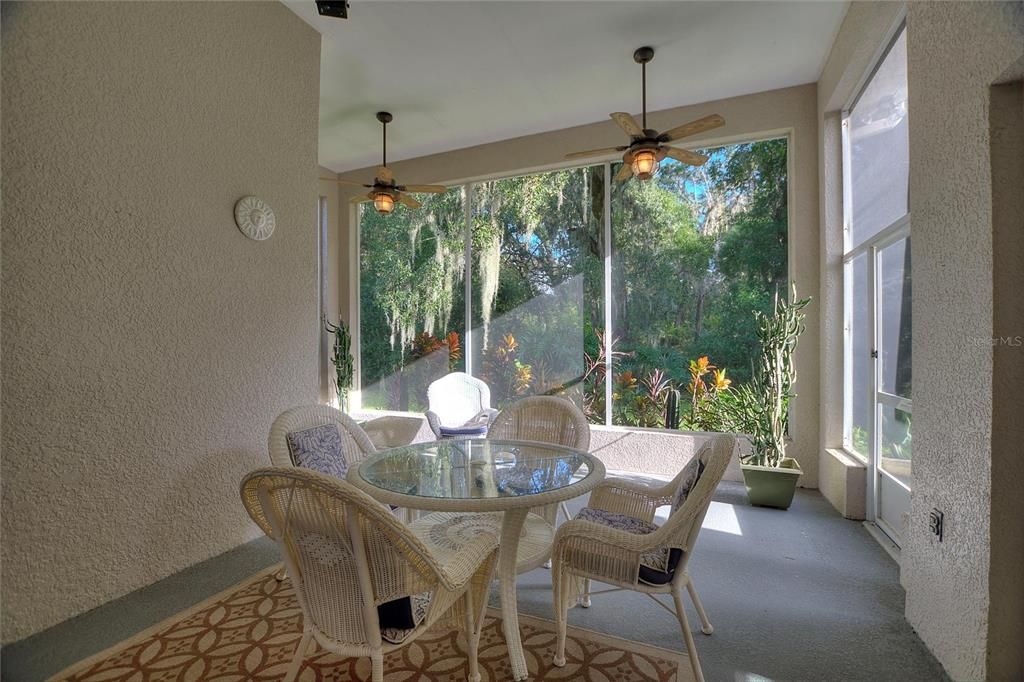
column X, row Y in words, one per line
column 147, row 344
column 788, row 111
column 955, row 52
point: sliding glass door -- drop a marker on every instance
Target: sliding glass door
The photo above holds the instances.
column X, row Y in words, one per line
column 878, row 287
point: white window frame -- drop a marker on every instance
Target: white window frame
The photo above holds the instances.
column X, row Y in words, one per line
column 890, row 234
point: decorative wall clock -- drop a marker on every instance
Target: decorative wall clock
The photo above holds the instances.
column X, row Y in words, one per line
column 254, row 218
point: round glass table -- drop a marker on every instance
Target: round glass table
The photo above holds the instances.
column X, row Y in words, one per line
column 481, row 475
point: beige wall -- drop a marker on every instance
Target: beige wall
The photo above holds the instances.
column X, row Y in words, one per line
column 955, row 52
column 862, row 37
column 788, row 111
column 147, row 344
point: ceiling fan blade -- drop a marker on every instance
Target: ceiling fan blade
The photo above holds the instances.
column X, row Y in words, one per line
column 628, row 123
column 430, row 189
column 625, row 173
column 692, row 128
column 408, row 201
column 686, row 156
column 353, row 184
column 594, row 152
column 384, row 174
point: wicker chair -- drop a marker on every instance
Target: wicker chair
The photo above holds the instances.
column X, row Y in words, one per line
column 459, row 405
column 586, row 550
column 544, row 419
column 348, row 556
column 356, row 443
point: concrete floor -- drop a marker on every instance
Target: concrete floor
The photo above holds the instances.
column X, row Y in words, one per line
column 796, row 595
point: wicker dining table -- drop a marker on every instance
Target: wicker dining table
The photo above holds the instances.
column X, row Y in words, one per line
column 482, row 476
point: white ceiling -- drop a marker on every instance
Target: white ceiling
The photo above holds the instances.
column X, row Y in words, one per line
column 457, row 74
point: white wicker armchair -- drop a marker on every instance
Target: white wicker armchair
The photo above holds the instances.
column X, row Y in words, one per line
column 586, row 550
column 348, row 556
column 356, row 443
column 457, row 400
column 544, row 419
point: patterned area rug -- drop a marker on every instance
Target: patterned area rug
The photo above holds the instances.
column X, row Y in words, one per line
column 250, row 633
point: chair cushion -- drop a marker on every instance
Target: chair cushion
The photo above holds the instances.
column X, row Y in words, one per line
column 400, row 617
column 468, row 430
column 656, row 566
column 691, row 474
column 319, row 448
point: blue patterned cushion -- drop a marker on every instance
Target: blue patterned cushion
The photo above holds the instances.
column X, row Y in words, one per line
column 616, row 520
column 691, row 474
column 657, row 565
column 319, row 448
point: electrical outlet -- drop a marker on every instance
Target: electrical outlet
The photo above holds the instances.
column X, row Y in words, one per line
column 935, row 523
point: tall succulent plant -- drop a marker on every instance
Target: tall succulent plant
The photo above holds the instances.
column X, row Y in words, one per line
column 759, row 409
column 341, row 358
column 672, row 409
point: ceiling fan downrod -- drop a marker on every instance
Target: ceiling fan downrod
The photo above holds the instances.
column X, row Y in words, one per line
column 385, row 118
column 641, row 57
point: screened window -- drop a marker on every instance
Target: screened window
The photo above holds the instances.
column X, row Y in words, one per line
column 550, row 283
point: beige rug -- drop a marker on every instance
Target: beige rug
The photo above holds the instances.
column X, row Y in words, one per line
column 250, row 633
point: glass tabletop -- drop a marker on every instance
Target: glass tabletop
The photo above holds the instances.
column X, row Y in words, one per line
column 476, row 469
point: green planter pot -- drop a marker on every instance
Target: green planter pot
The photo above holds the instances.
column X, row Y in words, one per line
column 770, row 486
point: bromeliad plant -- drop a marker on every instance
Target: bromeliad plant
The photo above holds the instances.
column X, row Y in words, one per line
column 759, row 409
column 507, row 375
column 705, row 392
column 341, row 358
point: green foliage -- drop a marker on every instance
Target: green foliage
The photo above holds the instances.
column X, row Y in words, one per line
column 341, row 358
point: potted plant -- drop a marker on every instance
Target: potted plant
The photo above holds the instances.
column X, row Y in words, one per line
column 341, row 358
column 759, row 409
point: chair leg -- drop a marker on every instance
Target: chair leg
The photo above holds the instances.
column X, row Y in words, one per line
column 377, row 666
column 585, row 597
column 705, row 624
column 691, row 647
column 281, row 575
column 300, row 654
column 474, row 626
column 558, row 581
column 562, row 507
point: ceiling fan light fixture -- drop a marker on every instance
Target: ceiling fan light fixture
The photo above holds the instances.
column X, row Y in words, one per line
column 645, row 164
column 383, row 202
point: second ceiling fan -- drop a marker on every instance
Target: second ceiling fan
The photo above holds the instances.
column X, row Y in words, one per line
column 648, row 147
column 384, row 192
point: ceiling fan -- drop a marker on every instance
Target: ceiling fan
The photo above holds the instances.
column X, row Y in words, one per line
column 384, row 193
column 648, row 147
